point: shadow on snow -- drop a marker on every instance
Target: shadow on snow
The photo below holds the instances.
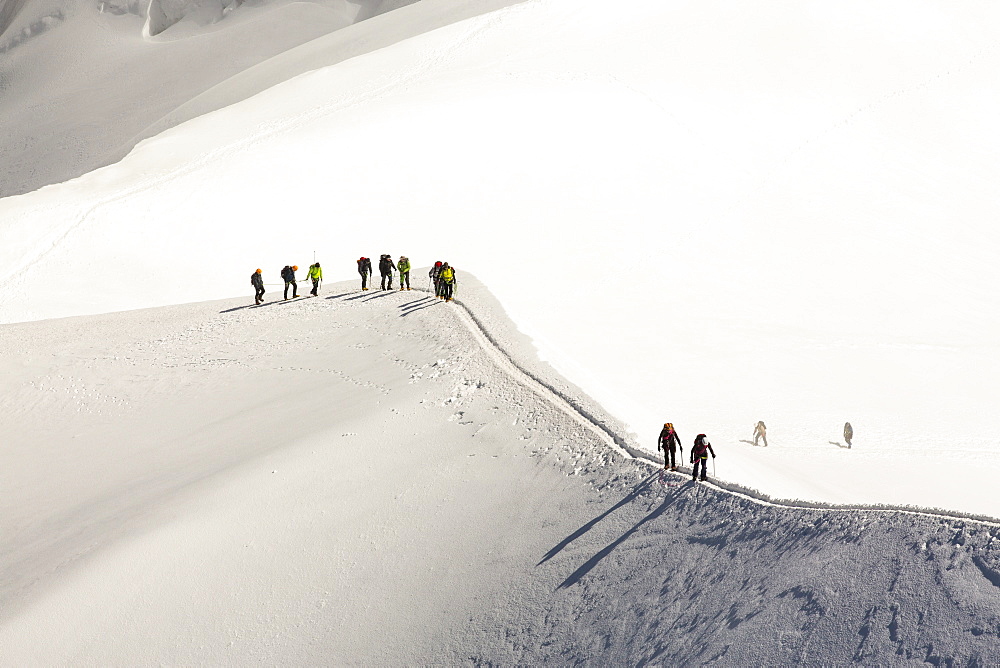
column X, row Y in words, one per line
column 589, row 565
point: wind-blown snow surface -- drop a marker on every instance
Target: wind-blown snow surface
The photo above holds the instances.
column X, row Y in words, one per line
column 705, row 214
column 366, row 478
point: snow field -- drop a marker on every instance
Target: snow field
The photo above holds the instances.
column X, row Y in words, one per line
column 217, row 476
column 699, row 214
column 355, row 478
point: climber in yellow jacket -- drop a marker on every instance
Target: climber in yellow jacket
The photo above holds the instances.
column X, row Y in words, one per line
column 404, row 272
column 447, row 281
column 316, row 275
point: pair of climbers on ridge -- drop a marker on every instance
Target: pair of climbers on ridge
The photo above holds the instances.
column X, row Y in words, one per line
column 760, row 433
column 669, row 441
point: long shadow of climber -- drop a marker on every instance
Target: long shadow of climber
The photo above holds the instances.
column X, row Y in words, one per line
column 578, row 574
column 378, row 295
column 418, row 308
column 632, row 496
column 240, row 308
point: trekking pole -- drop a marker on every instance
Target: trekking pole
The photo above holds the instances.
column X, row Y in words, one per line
column 713, row 467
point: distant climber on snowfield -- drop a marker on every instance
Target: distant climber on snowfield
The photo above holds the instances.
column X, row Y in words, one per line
column 699, row 454
column 447, row 279
column 404, row 273
column 365, row 269
column 288, row 273
column 435, row 274
column 669, row 441
column 386, row 267
column 257, row 281
column 848, row 433
column 760, row 432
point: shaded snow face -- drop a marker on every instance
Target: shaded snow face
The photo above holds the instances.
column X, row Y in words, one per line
column 15, row 28
column 119, row 7
column 163, row 14
column 8, row 10
column 29, row 20
column 62, row 57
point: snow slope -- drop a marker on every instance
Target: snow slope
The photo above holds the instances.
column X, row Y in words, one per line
column 708, row 215
column 81, row 81
column 372, row 478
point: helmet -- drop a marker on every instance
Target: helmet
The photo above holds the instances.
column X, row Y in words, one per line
column 437, row 264
column 668, row 425
column 258, row 271
column 317, row 264
column 295, row 267
column 361, row 258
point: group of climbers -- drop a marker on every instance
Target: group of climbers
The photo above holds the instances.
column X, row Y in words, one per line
column 386, row 267
column 669, row 442
column 315, row 274
column 442, row 275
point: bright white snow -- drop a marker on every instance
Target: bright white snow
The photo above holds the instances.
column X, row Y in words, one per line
column 705, row 214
